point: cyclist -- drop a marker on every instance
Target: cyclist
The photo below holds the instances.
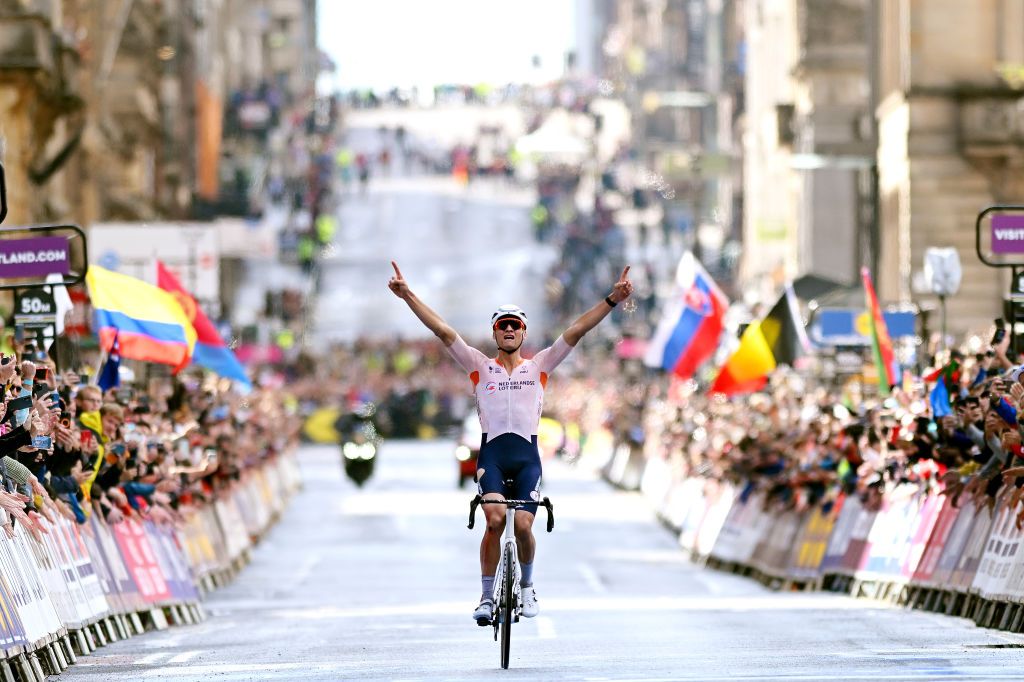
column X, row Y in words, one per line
column 509, row 393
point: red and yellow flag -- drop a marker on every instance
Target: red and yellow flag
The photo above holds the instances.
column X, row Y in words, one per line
column 881, row 344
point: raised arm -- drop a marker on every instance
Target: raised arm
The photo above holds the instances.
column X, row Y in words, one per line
column 588, row 320
column 428, row 317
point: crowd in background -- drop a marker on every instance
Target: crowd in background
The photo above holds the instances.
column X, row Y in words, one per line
column 955, row 431
column 68, row 447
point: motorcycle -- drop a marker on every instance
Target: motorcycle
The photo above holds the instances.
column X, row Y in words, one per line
column 468, row 449
column 360, row 443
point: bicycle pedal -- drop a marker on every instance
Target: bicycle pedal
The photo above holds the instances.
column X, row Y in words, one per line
column 483, row 622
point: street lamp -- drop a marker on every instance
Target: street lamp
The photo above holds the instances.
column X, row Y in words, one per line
column 942, row 273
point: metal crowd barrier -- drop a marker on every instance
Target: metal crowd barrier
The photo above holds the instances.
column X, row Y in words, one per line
column 915, row 550
column 83, row 586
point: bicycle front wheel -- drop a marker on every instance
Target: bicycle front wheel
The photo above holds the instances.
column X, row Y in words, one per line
column 508, row 606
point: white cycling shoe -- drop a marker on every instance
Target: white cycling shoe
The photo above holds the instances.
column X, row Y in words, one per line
column 484, row 612
column 530, row 607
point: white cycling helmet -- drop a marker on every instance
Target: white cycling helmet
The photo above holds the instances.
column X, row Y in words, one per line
column 509, row 310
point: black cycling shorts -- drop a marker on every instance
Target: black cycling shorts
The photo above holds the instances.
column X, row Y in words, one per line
column 510, row 456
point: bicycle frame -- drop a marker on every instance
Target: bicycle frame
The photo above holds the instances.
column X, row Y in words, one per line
column 509, row 539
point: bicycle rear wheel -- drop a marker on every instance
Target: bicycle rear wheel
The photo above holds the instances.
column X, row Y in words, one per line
column 508, row 606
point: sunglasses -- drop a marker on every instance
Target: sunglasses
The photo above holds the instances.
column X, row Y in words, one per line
column 513, row 324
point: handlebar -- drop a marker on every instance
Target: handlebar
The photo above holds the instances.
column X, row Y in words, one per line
column 546, row 503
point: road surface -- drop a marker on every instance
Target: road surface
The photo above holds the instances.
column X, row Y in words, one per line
column 379, row 584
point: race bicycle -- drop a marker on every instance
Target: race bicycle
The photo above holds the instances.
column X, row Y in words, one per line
column 506, row 602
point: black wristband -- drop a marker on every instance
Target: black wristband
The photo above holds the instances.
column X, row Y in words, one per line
column 609, row 301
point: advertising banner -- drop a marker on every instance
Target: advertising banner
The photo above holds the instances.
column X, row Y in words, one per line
column 847, row 512
column 172, row 564
column 1007, row 234
column 812, row 544
column 924, row 575
column 739, row 534
column 966, row 567
column 140, row 561
column 34, row 257
column 1000, row 553
column 12, row 633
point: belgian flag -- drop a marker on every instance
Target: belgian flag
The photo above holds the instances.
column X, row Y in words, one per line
column 778, row 339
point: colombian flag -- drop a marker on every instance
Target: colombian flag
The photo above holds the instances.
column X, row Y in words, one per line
column 147, row 322
column 210, row 351
column 778, row 339
column 881, row 344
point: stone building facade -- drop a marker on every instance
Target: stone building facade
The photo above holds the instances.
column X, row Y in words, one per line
column 949, row 141
column 117, row 110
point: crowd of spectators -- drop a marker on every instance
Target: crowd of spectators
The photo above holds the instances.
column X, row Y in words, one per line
column 414, row 387
column 148, row 452
column 955, row 431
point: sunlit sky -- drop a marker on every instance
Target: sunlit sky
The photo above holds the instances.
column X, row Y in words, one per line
column 386, row 43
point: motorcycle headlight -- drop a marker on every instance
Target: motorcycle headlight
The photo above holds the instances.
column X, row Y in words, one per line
column 367, row 451
column 350, row 450
column 462, row 453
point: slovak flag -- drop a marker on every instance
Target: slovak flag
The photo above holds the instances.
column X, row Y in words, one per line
column 692, row 323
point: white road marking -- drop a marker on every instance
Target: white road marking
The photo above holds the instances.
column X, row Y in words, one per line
column 306, row 568
column 545, row 628
column 769, row 602
column 151, row 659
column 710, row 582
column 592, row 579
column 184, row 657
column 226, row 669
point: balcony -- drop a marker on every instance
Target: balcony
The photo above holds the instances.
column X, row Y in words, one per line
column 28, row 47
column 27, row 44
column 988, row 124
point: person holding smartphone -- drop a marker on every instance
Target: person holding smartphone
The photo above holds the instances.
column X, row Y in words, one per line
column 1000, row 347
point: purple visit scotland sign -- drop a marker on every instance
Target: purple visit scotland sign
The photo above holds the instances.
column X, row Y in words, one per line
column 35, row 257
column 1008, row 234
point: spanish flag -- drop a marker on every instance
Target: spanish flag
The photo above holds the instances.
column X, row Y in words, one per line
column 778, row 339
column 148, row 323
column 881, row 344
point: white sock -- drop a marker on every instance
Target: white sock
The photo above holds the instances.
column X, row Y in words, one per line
column 488, row 585
column 527, row 580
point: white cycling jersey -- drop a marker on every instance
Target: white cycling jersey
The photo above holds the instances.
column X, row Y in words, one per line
column 509, row 403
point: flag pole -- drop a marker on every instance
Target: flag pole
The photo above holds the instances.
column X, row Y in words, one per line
column 95, row 378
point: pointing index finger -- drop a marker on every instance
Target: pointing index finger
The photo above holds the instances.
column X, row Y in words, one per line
column 398, row 273
column 624, row 273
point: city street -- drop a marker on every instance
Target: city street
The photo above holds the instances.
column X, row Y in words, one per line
column 379, row 584
column 464, row 250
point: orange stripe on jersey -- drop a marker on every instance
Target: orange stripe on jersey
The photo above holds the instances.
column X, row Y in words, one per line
column 543, row 379
column 474, row 376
